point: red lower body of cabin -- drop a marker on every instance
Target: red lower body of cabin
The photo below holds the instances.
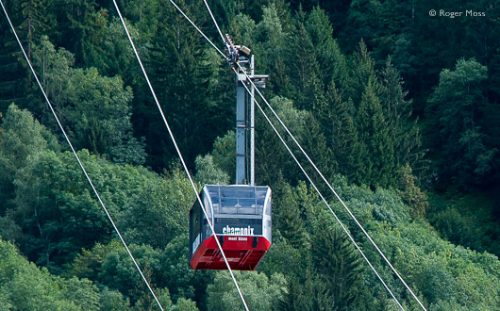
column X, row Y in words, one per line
column 242, row 252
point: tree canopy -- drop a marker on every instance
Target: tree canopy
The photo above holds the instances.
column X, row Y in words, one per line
column 398, row 109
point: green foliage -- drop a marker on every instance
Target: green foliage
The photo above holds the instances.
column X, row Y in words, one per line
column 208, row 173
column 178, row 276
column 100, row 110
column 224, row 153
column 243, row 28
column 411, row 193
column 60, row 214
column 378, row 150
column 402, row 129
column 23, row 135
column 283, row 258
column 344, row 136
column 23, row 286
column 446, row 270
column 54, row 67
column 148, row 302
column 467, row 220
column 362, row 71
column 190, row 83
column 96, row 109
column 346, row 103
column 332, row 62
column 161, row 203
column 261, row 292
column 111, row 266
column 21, row 138
column 9, row 230
column 34, row 19
column 118, row 272
column 269, row 38
column 80, row 26
column 184, row 304
column 458, row 138
column 338, row 265
column 305, row 68
column 114, row 301
column 54, row 207
column 288, row 217
column 278, row 162
column 110, row 50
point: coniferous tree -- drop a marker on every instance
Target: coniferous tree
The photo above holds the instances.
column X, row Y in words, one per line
column 186, row 78
column 288, row 216
column 272, row 157
column 34, row 18
column 310, row 294
column 374, row 133
column 337, row 264
column 403, row 131
column 110, row 51
column 142, row 15
column 362, row 70
column 270, row 50
column 243, row 30
column 31, row 19
column 346, row 146
column 80, row 28
column 303, row 66
column 315, row 144
column 332, row 62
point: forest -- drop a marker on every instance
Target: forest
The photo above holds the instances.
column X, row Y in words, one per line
column 399, row 109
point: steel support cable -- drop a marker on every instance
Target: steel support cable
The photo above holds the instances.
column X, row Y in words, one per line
column 344, row 228
column 335, row 193
column 197, row 28
column 101, row 202
column 215, row 21
column 180, row 154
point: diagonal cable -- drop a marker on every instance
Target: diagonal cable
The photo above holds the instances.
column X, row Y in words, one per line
column 344, row 228
column 198, row 29
column 79, row 161
column 172, row 137
column 336, row 194
column 215, row 21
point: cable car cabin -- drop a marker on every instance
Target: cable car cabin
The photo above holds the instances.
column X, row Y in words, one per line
column 241, row 215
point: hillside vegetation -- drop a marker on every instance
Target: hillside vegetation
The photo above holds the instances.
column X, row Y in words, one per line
column 399, row 110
